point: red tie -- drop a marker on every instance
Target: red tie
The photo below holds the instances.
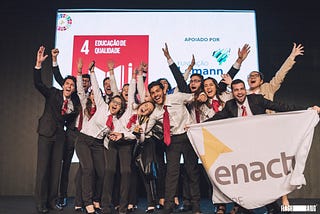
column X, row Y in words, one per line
column 132, row 120
column 64, row 108
column 109, row 122
column 215, row 105
column 166, row 126
column 197, row 115
column 244, row 111
column 92, row 111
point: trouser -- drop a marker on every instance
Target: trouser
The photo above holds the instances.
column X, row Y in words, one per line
column 68, row 152
column 90, row 152
column 123, row 151
column 180, row 144
column 50, row 151
column 160, row 151
column 78, row 202
column 148, row 156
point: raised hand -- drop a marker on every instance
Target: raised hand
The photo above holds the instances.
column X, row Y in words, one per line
column 243, row 53
column 91, row 66
column 40, row 56
column 80, row 65
column 110, row 64
column 54, row 54
column 166, row 51
column 226, row 79
column 193, row 62
column 296, row 50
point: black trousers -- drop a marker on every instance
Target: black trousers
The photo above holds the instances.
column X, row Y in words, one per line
column 160, row 148
column 121, row 151
column 78, row 202
column 68, row 151
column 90, row 152
column 50, row 150
column 180, row 144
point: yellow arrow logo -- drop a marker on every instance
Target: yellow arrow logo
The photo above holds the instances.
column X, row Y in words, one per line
column 213, row 147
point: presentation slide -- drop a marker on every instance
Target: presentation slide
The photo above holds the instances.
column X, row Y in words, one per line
column 129, row 37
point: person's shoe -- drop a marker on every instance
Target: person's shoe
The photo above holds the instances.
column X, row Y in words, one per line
column 55, row 207
column 63, row 202
column 185, row 208
column 159, row 206
column 150, row 210
column 132, row 209
column 78, row 209
column 42, row 209
column 98, row 210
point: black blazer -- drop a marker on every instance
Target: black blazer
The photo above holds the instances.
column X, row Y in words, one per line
column 51, row 119
column 258, row 105
column 71, row 119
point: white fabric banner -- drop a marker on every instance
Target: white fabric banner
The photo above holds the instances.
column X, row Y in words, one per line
column 255, row 160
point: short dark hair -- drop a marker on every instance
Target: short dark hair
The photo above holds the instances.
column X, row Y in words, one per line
column 198, row 75
column 155, row 83
column 236, row 81
column 165, row 79
column 86, row 76
column 106, row 78
column 71, row 78
column 260, row 74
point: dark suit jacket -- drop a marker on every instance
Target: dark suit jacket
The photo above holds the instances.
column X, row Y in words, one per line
column 70, row 119
column 258, row 105
column 51, row 119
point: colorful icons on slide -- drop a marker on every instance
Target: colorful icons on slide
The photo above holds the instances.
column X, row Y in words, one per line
column 64, row 22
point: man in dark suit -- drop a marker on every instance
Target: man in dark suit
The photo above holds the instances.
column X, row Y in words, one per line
column 248, row 105
column 72, row 130
column 252, row 104
column 61, row 107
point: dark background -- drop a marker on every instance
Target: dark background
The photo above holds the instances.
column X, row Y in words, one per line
column 27, row 25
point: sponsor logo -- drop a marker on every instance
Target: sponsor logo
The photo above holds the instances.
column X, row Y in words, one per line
column 221, row 55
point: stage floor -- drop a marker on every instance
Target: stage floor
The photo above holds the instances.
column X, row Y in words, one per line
column 26, row 205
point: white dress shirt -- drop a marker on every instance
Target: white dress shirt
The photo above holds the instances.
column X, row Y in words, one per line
column 179, row 115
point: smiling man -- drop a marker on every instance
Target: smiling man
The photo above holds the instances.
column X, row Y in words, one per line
column 253, row 104
column 171, row 111
column 61, row 107
column 256, row 82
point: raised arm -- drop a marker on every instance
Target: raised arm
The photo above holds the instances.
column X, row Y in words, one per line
column 98, row 99
column 276, row 81
column 80, row 90
column 113, row 82
column 55, row 68
column 140, row 81
column 242, row 55
column 38, row 83
column 181, row 83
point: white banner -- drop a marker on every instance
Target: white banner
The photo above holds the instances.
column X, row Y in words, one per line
column 255, row 160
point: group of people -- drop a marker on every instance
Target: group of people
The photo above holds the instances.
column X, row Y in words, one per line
column 119, row 135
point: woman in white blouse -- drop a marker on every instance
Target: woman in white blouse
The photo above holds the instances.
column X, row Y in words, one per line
column 90, row 143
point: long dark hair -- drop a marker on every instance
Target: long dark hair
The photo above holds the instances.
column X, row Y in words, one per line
column 218, row 90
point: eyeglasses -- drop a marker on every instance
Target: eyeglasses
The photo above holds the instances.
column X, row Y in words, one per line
column 116, row 102
column 195, row 81
column 253, row 75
